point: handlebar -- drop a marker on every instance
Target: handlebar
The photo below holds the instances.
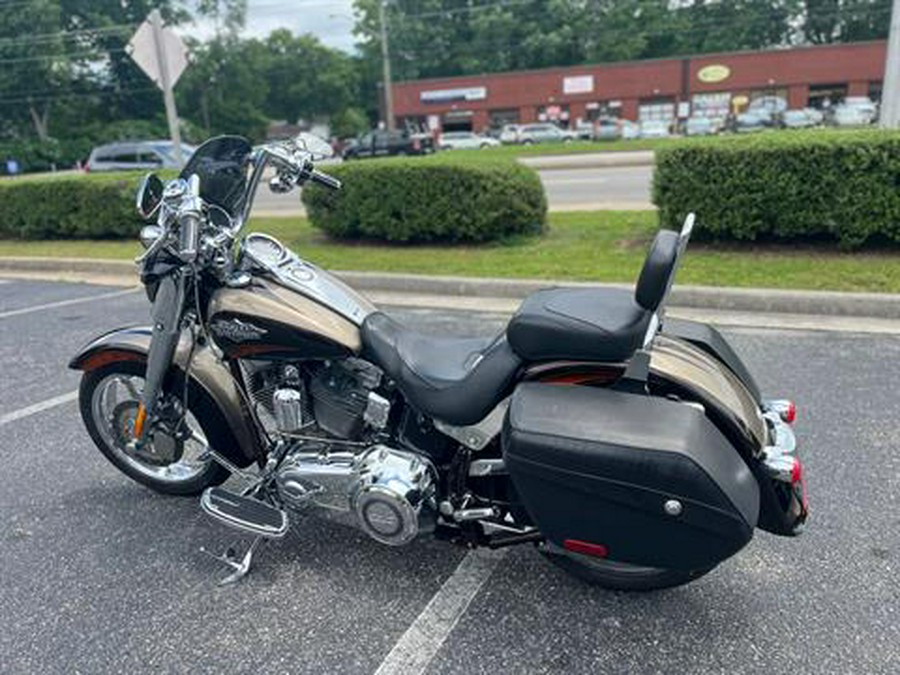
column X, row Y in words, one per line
column 324, row 179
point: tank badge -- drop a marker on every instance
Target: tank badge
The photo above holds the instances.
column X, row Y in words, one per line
column 236, row 330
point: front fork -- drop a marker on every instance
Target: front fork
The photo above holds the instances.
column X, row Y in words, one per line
column 166, row 314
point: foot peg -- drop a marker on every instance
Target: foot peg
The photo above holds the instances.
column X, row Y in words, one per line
column 244, row 513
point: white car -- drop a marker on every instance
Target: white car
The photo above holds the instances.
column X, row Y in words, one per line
column 655, row 129
column 509, row 135
column 630, row 130
column 466, row 140
column 867, row 108
column 850, row 116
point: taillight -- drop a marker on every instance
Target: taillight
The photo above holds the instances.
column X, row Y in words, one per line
column 586, row 548
column 786, row 410
column 417, row 144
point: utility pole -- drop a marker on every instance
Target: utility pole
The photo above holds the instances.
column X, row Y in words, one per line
column 165, row 82
column 890, row 95
column 386, row 66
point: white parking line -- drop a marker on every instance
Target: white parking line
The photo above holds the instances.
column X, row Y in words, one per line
column 65, row 303
column 35, row 408
column 417, row 646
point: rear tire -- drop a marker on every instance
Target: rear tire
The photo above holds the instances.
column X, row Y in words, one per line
column 199, row 404
column 617, row 576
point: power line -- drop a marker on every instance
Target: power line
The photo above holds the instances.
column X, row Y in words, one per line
column 65, row 57
column 65, row 35
column 62, row 95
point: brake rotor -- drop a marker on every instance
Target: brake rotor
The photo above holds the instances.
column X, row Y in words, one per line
column 161, row 449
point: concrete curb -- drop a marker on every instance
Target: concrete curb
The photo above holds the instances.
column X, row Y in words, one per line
column 824, row 303
column 589, row 160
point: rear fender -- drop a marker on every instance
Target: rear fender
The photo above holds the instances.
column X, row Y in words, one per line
column 210, row 373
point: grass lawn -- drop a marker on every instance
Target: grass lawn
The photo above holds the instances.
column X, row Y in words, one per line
column 584, row 246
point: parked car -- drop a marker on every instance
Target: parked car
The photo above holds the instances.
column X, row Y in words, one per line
column 747, row 123
column 867, row 108
column 797, row 119
column 584, row 130
column 849, row 116
column 133, row 155
column 699, row 126
column 629, row 130
column 509, row 134
column 388, row 143
column 608, row 129
column 545, row 133
column 816, row 115
column 465, row 140
column 655, row 129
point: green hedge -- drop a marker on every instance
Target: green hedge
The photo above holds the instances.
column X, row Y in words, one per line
column 789, row 186
column 433, row 199
column 69, row 207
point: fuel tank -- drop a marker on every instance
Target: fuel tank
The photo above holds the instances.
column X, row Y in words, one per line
column 270, row 320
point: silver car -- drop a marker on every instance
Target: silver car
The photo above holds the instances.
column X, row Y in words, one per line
column 466, row 140
column 133, row 155
column 545, row 133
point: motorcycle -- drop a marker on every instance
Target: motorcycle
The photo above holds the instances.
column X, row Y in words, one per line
column 633, row 450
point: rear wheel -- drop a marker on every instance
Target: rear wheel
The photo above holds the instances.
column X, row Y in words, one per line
column 109, row 399
column 617, row 576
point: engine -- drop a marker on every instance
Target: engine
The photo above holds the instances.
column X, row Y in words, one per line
column 338, row 398
column 388, row 493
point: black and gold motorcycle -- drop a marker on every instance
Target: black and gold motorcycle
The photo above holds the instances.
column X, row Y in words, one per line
column 631, row 449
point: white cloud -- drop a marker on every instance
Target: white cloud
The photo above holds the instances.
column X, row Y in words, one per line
column 329, row 20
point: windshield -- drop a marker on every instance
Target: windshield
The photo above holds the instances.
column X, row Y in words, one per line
column 221, row 164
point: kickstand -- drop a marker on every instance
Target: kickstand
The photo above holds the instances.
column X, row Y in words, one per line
column 240, row 565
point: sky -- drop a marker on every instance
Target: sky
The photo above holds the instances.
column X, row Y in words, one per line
column 330, row 20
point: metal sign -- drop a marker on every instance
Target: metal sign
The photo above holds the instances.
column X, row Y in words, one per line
column 145, row 52
column 714, row 73
column 451, row 95
column 578, row 84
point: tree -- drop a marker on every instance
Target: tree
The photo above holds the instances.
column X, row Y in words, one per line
column 828, row 21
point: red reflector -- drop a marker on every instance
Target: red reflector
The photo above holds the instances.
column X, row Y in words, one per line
column 586, row 548
column 790, row 413
column 799, row 484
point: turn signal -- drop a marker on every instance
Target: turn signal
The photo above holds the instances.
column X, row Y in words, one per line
column 586, row 548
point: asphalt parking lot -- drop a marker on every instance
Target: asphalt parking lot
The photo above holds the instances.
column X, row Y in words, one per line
column 101, row 575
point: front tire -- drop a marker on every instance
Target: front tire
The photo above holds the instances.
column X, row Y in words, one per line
column 188, row 475
column 617, row 576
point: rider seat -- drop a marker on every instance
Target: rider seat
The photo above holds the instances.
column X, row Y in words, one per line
column 593, row 324
column 455, row 380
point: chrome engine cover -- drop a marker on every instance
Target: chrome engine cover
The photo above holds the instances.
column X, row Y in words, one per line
column 389, row 494
column 393, row 496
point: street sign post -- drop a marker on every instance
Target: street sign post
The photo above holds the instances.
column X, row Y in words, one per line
column 161, row 54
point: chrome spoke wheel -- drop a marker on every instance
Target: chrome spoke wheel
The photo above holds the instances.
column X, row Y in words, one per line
column 114, row 405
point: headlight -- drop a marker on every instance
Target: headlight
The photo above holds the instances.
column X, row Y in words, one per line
column 150, row 234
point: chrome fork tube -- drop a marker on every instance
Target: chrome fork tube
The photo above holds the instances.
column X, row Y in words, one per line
column 166, row 315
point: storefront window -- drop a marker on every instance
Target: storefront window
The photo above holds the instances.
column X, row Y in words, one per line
column 557, row 114
column 714, row 106
column 657, row 109
column 457, row 120
column 826, row 95
column 500, row 118
column 875, row 91
column 602, row 110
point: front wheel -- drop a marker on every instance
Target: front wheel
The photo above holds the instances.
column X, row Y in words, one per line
column 109, row 399
column 618, row 576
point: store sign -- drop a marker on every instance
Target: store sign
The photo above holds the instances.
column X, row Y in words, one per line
column 451, row 95
column 578, row 84
column 714, row 73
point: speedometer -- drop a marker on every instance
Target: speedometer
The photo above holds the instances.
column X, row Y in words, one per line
column 265, row 250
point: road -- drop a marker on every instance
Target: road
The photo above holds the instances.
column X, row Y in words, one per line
column 626, row 187
column 101, row 575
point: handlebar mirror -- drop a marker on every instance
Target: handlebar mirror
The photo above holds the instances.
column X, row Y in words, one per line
column 316, row 146
column 149, row 196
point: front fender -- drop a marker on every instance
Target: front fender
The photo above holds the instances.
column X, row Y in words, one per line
column 210, row 373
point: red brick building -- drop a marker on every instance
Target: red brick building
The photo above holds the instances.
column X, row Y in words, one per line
column 710, row 85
